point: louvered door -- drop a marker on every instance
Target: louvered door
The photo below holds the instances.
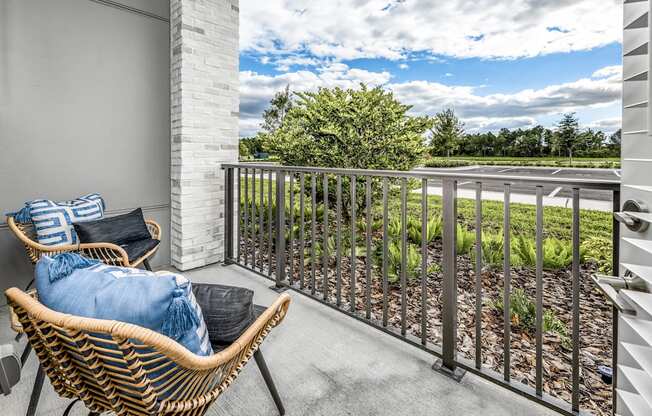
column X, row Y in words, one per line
column 634, row 378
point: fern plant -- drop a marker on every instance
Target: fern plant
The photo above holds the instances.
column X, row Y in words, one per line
column 394, row 229
column 523, row 251
column 598, row 250
column 415, row 230
column 557, row 254
column 523, row 314
column 493, row 250
column 413, row 261
column 319, row 250
column 465, row 240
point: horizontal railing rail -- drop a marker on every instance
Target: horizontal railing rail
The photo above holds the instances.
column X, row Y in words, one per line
column 583, row 183
column 345, row 238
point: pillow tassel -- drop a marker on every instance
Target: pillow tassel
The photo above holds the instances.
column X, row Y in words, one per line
column 24, row 216
column 65, row 263
column 181, row 316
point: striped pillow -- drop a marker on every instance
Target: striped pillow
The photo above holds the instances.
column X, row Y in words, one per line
column 53, row 220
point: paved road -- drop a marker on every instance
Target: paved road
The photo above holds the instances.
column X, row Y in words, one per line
column 549, row 190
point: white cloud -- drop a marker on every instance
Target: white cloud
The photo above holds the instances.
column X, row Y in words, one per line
column 480, row 112
column 607, row 124
column 404, row 66
column 284, row 64
column 430, row 97
column 609, row 72
column 497, row 123
column 394, row 29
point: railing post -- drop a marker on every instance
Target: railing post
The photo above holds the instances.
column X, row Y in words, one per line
column 615, row 258
column 280, row 231
column 228, row 216
column 448, row 363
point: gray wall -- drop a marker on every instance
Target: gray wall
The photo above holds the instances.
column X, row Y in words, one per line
column 84, row 107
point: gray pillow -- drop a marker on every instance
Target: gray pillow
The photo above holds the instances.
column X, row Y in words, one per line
column 227, row 310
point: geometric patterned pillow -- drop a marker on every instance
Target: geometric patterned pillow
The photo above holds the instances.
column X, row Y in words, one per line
column 53, row 220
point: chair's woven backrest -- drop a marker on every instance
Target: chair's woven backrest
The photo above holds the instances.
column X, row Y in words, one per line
column 118, row 367
column 27, row 235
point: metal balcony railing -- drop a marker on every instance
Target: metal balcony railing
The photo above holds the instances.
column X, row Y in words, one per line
column 317, row 254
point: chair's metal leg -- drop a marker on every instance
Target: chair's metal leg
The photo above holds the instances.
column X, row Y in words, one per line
column 25, row 355
column 36, row 392
column 69, row 408
column 262, row 366
column 146, row 265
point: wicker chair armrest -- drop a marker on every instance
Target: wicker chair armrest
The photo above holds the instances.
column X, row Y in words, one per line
column 15, row 322
column 243, row 347
column 107, row 253
column 13, row 226
column 272, row 316
column 154, row 229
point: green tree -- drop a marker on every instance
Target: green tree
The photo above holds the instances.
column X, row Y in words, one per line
column 446, row 133
column 362, row 129
column 251, row 146
column 278, row 109
column 567, row 134
column 614, row 143
column 591, row 143
column 244, row 150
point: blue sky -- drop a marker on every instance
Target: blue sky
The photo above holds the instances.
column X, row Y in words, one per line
column 498, row 63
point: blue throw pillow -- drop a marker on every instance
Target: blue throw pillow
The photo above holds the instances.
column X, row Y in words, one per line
column 53, row 220
column 163, row 301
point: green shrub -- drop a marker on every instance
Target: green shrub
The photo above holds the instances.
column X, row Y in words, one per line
column 523, row 251
column 446, row 163
column 557, row 254
column 493, row 250
column 319, row 250
column 465, row 240
column 522, row 309
column 394, row 229
column 415, row 229
column 355, row 128
column 413, row 261
column 598, row 250
column 523, row 315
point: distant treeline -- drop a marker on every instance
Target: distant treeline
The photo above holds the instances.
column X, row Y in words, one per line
column 566, row 140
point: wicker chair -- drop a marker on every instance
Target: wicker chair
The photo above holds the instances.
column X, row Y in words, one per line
column 129, row 370
column 107, row 253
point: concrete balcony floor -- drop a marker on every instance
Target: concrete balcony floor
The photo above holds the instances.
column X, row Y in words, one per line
column 324, row 363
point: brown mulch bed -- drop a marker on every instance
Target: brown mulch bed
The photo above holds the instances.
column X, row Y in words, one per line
column 595, row 319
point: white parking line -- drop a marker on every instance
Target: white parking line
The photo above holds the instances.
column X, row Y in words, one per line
column 555, row 192
column 617, row 172
column 556, row 172
column 505, row 170
column 605, row 206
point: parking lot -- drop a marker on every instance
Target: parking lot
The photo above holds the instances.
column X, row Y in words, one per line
column 553, row 194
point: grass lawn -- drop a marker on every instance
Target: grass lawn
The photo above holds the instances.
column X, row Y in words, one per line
column 454, row 161
column 557, row 220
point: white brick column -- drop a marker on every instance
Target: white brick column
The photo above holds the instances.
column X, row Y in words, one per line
column 204, row 115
